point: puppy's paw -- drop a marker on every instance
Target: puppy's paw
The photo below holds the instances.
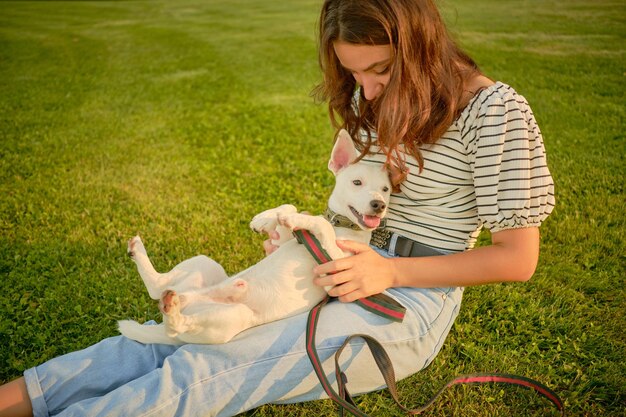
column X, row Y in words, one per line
column 289, row 221
column 175, row 322
column 294, row 221
column 263, row 224
column 169, row 303
column 266, row 221
column 134, row 245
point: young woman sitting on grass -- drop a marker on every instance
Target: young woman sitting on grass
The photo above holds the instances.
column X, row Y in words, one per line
column 466, row 153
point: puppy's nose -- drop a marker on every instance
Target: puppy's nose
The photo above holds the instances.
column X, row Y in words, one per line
column 378, row 205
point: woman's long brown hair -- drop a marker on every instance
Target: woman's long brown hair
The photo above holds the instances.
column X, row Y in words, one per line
column 428, row 74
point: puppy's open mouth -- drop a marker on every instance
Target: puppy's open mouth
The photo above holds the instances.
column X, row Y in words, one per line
column 365, row 220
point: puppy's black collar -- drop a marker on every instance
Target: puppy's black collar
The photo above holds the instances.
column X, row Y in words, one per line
column 339, row 220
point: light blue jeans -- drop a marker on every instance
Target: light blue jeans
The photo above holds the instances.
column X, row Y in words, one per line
column 266, row 364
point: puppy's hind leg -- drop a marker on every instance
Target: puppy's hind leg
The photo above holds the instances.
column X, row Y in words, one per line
column 218, row 323
column 230, row 292
column 224, row 316
column 200, row 272
column 154, row 282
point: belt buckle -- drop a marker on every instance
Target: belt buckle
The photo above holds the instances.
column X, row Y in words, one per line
column 380, row 238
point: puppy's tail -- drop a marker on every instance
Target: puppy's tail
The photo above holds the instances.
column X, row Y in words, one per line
column 146, row 333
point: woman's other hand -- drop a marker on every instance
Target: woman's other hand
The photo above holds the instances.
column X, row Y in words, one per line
column 363, row 274
column 268, row 246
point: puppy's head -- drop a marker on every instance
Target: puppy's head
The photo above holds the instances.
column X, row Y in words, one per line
column 362, row 189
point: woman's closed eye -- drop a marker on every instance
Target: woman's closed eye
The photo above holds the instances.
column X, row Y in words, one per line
column 381, row 71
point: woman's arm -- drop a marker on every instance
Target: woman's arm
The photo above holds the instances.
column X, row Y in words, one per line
column 512, row 256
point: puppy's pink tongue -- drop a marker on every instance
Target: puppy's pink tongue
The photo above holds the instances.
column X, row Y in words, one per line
column 371, row 221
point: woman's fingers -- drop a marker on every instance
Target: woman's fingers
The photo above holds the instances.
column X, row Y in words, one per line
column 344, row 291
column 363, row 274
column 333, row 267
column 352, row 246
column 269, row 247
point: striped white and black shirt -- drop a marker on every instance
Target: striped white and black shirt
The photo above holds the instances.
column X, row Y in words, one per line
column 489, row 169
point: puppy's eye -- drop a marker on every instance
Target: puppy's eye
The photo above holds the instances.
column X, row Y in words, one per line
column 357, row 182
column 385, row 189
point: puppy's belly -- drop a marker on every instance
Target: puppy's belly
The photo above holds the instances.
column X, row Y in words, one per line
column 281, row 284
column 184, row 281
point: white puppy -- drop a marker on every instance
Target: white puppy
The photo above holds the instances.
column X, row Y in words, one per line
column 201, row 304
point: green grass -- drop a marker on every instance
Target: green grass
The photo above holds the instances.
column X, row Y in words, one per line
column 164, row 118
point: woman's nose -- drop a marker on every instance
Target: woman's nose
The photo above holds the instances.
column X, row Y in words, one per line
column 371, row 87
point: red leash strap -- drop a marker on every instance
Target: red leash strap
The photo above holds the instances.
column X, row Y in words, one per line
column 512, row 380
column 343, row 398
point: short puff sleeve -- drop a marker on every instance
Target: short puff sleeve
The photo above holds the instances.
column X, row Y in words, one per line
column 513, row 185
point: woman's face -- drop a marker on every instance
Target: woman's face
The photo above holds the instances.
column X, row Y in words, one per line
column 369, row 65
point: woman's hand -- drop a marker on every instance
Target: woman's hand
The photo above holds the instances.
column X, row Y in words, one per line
column 361, row 275
column 268, row 246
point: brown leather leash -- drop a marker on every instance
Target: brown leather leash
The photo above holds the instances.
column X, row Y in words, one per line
column 391, row 309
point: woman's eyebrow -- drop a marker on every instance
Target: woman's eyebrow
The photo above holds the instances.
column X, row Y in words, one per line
column 371, row 66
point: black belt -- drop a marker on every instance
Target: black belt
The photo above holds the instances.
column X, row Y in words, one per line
column 404, row 247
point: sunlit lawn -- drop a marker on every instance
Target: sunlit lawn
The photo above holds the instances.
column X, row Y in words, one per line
column 181, row 120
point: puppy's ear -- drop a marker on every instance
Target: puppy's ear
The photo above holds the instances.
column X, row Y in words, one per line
column 343, row 152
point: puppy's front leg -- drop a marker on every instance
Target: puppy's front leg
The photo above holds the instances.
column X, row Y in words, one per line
column 267, row 221
column 319, row 227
